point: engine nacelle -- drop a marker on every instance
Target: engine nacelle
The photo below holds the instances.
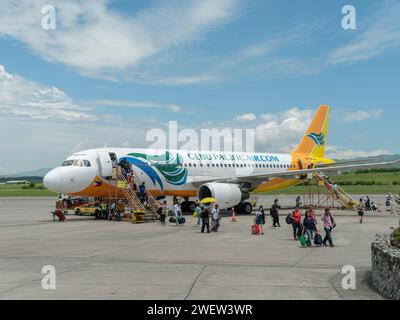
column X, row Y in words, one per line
column 227, row 195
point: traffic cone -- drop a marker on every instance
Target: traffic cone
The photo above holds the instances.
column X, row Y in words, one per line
column 233, row 216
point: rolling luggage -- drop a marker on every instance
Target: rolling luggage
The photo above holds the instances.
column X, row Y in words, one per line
column 181, row 220
column 172, row 220
column 255, row 229
column 60, row 215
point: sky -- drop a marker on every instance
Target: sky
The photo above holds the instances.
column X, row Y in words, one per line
column 111, row 71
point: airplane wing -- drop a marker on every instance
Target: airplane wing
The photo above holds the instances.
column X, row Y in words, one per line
column 295, row 174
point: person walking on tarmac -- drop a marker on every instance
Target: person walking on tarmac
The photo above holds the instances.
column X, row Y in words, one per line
column 296, row 223
column 215, row 218
column 274, row 211
column 205, row 219
column 163, row 213
column 361, row 209
column 260, row 219
column 329, row 224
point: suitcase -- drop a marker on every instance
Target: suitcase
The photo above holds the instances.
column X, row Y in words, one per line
column 60, row 215
column 255, row 229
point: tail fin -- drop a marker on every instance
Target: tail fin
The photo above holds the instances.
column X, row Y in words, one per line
column 314, row 141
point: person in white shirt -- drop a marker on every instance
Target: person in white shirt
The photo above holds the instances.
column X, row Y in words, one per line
column 215, row 218
column 177, row 212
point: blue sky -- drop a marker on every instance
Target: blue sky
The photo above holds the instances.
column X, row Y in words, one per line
column 113, row 70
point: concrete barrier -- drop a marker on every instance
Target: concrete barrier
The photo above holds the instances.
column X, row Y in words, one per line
column 385, row 267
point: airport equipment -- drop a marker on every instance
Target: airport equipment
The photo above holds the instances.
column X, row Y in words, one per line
column 138, row 216
column 328, row 194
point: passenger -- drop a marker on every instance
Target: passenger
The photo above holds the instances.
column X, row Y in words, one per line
column 367, row 204
column 311, row 212
column 361, row 208
column 296, row 223
column 388, row 202
column 274, row 211
column 329, row 224
column 177, row 212
column 298, row 202
column 216, row 219
column 309, row 227
column 259, row 220
column 163, row 213
column 205, row 220
column 142, row 190
column 198, row 213
column 374, row 207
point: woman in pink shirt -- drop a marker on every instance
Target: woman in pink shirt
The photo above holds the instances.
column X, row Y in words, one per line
column 329, row 224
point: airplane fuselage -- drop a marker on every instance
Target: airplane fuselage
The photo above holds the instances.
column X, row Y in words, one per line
column 165, row 172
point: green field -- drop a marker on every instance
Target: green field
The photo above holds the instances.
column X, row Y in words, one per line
column 363, row 184
column 17, row 190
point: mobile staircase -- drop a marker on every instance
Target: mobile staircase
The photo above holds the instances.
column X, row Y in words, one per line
column 153, row 206
column 332, row 195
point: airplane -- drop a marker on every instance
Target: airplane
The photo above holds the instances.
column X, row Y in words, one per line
column 229, row 177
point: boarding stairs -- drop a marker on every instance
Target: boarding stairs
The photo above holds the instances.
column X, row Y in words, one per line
column 151, row 210
column 338, row 193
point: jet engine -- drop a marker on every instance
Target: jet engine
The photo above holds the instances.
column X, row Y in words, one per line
column 227, row 195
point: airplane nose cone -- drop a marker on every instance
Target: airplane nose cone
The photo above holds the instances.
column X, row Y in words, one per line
column 52, row 180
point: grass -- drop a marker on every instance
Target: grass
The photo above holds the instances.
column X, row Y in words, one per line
column 17, row 190
column 352, row 183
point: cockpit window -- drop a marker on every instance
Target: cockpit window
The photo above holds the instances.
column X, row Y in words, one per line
column 86, row 163
column 78, row 163
column 67, row 163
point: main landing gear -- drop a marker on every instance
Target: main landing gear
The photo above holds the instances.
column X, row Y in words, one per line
column 244, row 208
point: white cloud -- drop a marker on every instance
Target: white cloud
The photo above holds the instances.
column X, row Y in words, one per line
column 361, row 115
column 346, row 154
column 136, row 104
column 281, row 129
column 383, row 33
column 246, row 117
column 24, row 99
column 29, row 100
column 98, row 41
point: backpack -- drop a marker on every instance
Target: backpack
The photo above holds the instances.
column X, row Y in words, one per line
column 181, row 220
column 318, row 239
column 289, row 219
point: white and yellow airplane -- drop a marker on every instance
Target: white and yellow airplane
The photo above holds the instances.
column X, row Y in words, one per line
column 228, row 177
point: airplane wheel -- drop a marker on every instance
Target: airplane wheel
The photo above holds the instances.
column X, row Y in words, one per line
column 246, row 208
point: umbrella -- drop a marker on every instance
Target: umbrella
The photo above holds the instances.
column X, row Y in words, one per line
column 208, row 200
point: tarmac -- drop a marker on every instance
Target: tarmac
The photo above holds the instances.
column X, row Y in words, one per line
column 121, row 260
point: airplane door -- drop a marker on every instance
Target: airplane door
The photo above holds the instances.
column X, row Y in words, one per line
column 105, row 164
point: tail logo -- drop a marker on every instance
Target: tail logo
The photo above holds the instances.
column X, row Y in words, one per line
column 319, row 139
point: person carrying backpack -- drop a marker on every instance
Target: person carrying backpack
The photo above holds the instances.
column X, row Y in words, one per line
column 274, row 211
column 361, row 209
column 215, row 218
column 296, row 223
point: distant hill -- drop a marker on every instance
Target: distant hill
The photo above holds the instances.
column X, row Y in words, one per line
column 34, row 173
